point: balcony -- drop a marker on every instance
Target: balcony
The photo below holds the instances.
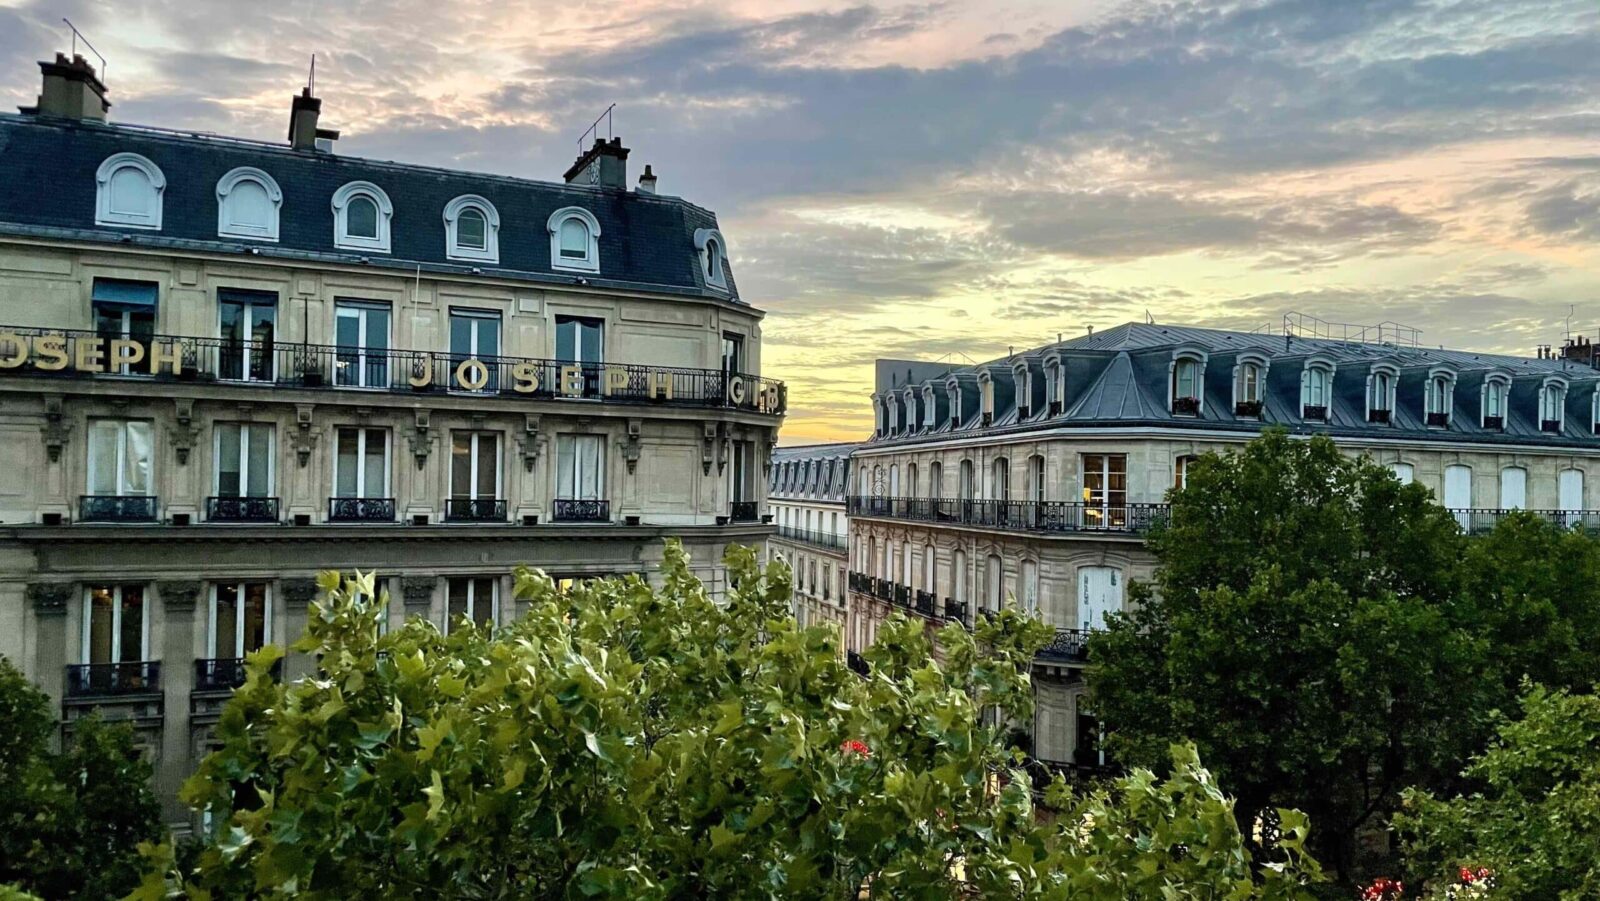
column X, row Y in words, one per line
column 241, row 509
column 1379, row 416
column 742, row 511
column 923, row 602
column 224, row 673
column 580, row 510
column 1438, row 420
column 1186, row 406
column 955, row 610
column 857, row 663
column 1478, row 521
column 1251, row 408
column 900, row 594
column 87, row 680
column 117, row 508
column 360, row 509
column 1068, row 646
column 815, row 538
column 1553, row 426
column 1314, row 413
column 1494, row 423
column 275, row 364
column 475, row 509
column 1017, row 516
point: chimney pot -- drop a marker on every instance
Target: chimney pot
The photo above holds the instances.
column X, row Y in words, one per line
column 604, row 165
column 647, row 181
column 70, row 90
column 303, row 131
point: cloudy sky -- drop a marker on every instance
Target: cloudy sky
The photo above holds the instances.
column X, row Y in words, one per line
column 917, row 180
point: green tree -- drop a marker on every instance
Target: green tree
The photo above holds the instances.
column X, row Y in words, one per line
column 1301, row 631
column 70, row 822
column 619, row 741
column 1534, row 816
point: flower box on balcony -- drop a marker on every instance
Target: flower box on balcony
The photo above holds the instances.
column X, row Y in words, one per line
column 1315, row 414
column 1186, row 406
column 1378, row 416
column 1496, row 423
column 1438, row 420
column 1247, row 408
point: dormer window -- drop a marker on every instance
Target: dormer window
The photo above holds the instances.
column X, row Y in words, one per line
column 709, row 245
column 928, row 406
column 1316, row 391
column 1055, row 386
column 1381, row 394
column 878, row 416
column 128, row 192
column 248, row 201
column 953, row 390
column 1249, row 382
column 1440, row 399
column 1186, row 385
column 574, row 240
column 1022, row 378
column 986, row 398
column 1552, row 406
column 1495, row 390
column 472, row 230
column 909, row 399
column 361, row 215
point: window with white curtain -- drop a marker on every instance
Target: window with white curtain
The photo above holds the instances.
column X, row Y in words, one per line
column 1000, row 479
column 119, row 457
column 361, row 463
column 994, row 573
column 1030, row 586
column 930, row 582
column 1315, row 391
column 958, row 576
column 580, row 467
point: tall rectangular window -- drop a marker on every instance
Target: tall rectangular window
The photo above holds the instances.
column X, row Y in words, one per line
column 475, row 335
column 474, row 465
column 1105, row 490
column 124, row 309
column 741, row 486
column 579, row 339
column 580, row 467
column 361, row 330
column 119, row 457
column 361, row 463
column 241, row 615
column 116, row 624
column 1036, row 478
column 475, row 600
column 244, row 459
column 732, row 353
column 248, row 320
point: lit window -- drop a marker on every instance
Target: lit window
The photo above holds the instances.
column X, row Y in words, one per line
column 116, row 629
column 574, row 240
column 472, row 230
column 361, row 215
column 713, row 253
column 241, row 620
column 1180, row 475
column 248, row 201
column 128, row 192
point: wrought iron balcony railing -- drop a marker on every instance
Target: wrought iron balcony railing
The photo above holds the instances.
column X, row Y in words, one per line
column 117, row 508
column 1068, row 645
column 955, row 610
column 86, row 680
column 241, row 509
column 580, row 510
column 923, row 603
column 76, row 353
column 475, row 509
column 860, row 582
column 857, row 663
column 224, row 673
column 1475, row 521
column 742, row 511
column 813, row 537
column 360, row 509
column 1021, row 516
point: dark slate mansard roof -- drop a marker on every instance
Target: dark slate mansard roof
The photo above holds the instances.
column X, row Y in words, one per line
column 788, row 479
column 1119, row 378
column 47, row 190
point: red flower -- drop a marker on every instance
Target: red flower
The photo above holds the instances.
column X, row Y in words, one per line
column 856, row 747
column 1383, row 889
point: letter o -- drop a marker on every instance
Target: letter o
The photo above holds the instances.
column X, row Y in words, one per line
column 477, row 367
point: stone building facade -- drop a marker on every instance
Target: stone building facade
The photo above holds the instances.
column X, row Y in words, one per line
column 806, row 495
column 226, row 365
column 1032, row 477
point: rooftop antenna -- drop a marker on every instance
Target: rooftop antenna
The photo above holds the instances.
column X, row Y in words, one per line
column 311, row 79
column 594, row 127
column 1570, row 309
column 78, row 36
column 1148, row 319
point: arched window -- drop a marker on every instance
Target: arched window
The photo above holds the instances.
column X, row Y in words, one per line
column 994, row 572
column 1381, row 394
column 1316, row 391
column 472, row 230
column 906, row 569
column 894, row 480
column 1036, row 483
column 958, row 576
column 935, row 480
column 361, row 215
column 1186, row 374
column 1440, row 398
column 574, row 240
column 1552, row 406
column 1495, row 390
column 1513, row 488
column 1030, row 586
column 1000, row 479
column 128, row 192
column 1404, row 472
column 930, row 582
column 966, row 486
column 713, row 253
column 911, row 480
column 248, row 201
column 1248, row 379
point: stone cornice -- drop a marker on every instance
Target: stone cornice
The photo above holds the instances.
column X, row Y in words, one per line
column 321, row 535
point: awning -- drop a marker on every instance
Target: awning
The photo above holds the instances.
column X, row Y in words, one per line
column 124, row 294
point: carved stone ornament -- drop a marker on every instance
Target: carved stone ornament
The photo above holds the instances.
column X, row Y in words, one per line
column 305, row 436
column 179, row 596
column 418, row 590
column 421, row 439
column 630, row 450
column 50, row 598
column 56, row 428
column 529, row 442
column 708, row 443
column 299, row 593
column 184, row 433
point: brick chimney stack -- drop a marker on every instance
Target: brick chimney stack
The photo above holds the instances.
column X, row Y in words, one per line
column 605, row 164
column 303, row 131
column 71, row 91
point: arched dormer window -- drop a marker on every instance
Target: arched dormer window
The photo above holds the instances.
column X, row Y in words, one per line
column 1022, row 378
column 1552, row 405
column 1249, row 384
column 1496, row 391
column 1055, row 384
column 574, row 240
column 1594, row 412
column 713, row 252
column 891, row 423
column 1316, row 390
column 1186, row 387
column 952, row 389
column 929, row 406
column 472, row 230
column 248, row 201
column 1440, row 397
column 986, row 397
column 1381, row 385
column 361, row 216
column 128, row 192
column 878, row 415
